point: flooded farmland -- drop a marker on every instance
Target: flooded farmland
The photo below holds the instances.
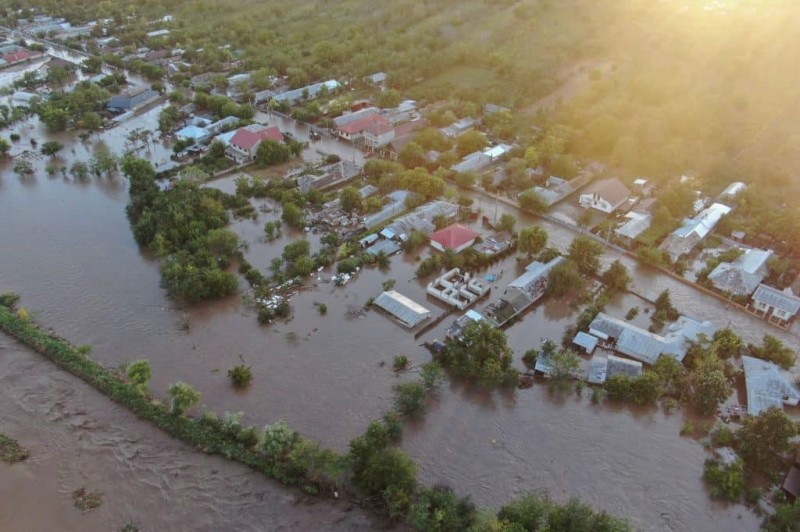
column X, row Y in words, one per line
column 68, row 249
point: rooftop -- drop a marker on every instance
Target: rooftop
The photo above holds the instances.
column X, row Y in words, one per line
column 247, row 137
column 454, row 236
column 744, row 274
column 767, row 386
column 405, row 310
column 612, row 190
column 775, row 298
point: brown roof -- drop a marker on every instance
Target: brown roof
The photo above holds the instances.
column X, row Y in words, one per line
column 357, row 126
column 612, row 190
column 791, row 484
column 246, row 139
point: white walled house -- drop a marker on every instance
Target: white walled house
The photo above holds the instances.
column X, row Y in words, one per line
column 606, row 195
column 775, row 305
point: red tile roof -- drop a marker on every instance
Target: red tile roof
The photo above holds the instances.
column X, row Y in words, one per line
column 246, row 139
column 19, row 55
column 454, row 236
column 357, row 126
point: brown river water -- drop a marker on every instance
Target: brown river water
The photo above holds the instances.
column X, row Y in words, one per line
column 66, row 246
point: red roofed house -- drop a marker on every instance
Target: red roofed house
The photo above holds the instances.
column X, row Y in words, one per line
column 244, row 144
column 17, row 57
column 456, row 237
column 378, row 135
column 355, row 130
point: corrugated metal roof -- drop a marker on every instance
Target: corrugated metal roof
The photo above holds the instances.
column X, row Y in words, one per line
column 636, row 224
column 777, row 299
column 405, row 310
column 387, row 246
column 767, row 386
column 744, row 274
column 598, row 367
column 586, row 341
column 623, row 366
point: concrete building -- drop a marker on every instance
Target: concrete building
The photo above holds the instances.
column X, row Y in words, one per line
column 457, row 289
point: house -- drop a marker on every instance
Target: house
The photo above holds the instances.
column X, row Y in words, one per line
column 456, row 237
column 732, row 190
column 598, row 369
column 18, row 57
column 421, row 218
column 245, row 142
column 645, row 346
column 157, row 33
column 395, row 205
column 623, row 366
column 401, row 308
column 457, row 128
column 378, row 135
column 521, row 293
column 490, row 109
column 495, row 152
column 132, row 100
column 693, row 231
column 193, row 133
column 456, row 329
column 492, row 245
column 388, row 247
column 354, row 116
column 333, row 174
column 767, row 386
column 638, row 222
column 354, row 130
column 57, row 62
column 306, row 93
column 474, row 162
column 586, row 342
column 606, row 195
column 742, row 276
column 378, row 78
column 775, row 305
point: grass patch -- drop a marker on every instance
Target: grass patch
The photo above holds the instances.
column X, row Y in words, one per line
column 11, row 451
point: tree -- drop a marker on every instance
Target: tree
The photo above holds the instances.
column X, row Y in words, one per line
column 618, row 387
column 565, row 280
column 470, row 142
column 270, row 152
column 646, row 389
column 57, row 76
column 763, row 439
column 616, row 277
column 727, row 344
column 5, row 147
column 774, row 350
column 506, row 223
column 563, row 366
column 350, row 199
column 671, row 373
column 431, row 375
column 412, row 156
column 91, row 121
column 168, row 118
column 51, row 147
column 296, row 249
column 710, row 384
column 585, row 253
column 384, row 469
column 786, row 518
column 533, row 202
column 409, row 398
column 293, row 215
column 726, row 481
column 482, row 352
column 278, row 440
column 139, row 373
column 439, row 510
column 650, row 256
column 183, row 396
column 665, row 310
column 532, row 240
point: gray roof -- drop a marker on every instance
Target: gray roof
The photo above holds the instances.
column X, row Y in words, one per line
column 766, row 385
column 645, row 346
column 586, row 341
column 421, row 218
column 623, row 366
column 686, row 237
column 598, row 367
column 387, row 246
column 744, row 274
column 312, row 91
column 636, row 224
column 402, row 308
column 775, row 298
column 612, row 190
column 132, row 100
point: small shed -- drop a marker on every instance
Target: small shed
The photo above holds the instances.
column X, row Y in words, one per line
column 585, row 341
column 401, row 308
column 598, row 368
column 387, row 246
column 623, row 366
column 368, row 240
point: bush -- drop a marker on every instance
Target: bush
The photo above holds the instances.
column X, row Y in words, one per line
column 431, row 374
column 725, row 482
column 400, row 362
column 139, row 373
column 438, row 509
column 409, row 398
column 278, row 440
column 322, row 308
column 183, row 396
column 240, row 375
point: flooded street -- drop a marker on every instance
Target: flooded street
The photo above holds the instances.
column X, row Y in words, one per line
column 79, row 438
column 68, row 250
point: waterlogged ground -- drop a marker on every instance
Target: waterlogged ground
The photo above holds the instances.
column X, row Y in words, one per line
column 67, row 248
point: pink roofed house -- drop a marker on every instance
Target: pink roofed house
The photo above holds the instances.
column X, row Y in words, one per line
column 456, row 237
column 244, row 144
column 355, row 130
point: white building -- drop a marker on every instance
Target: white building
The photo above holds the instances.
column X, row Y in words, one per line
column 774, row 305
column 606, row 195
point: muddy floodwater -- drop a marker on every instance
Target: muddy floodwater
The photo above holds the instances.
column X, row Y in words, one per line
column 78, row 438
column 68, row 249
